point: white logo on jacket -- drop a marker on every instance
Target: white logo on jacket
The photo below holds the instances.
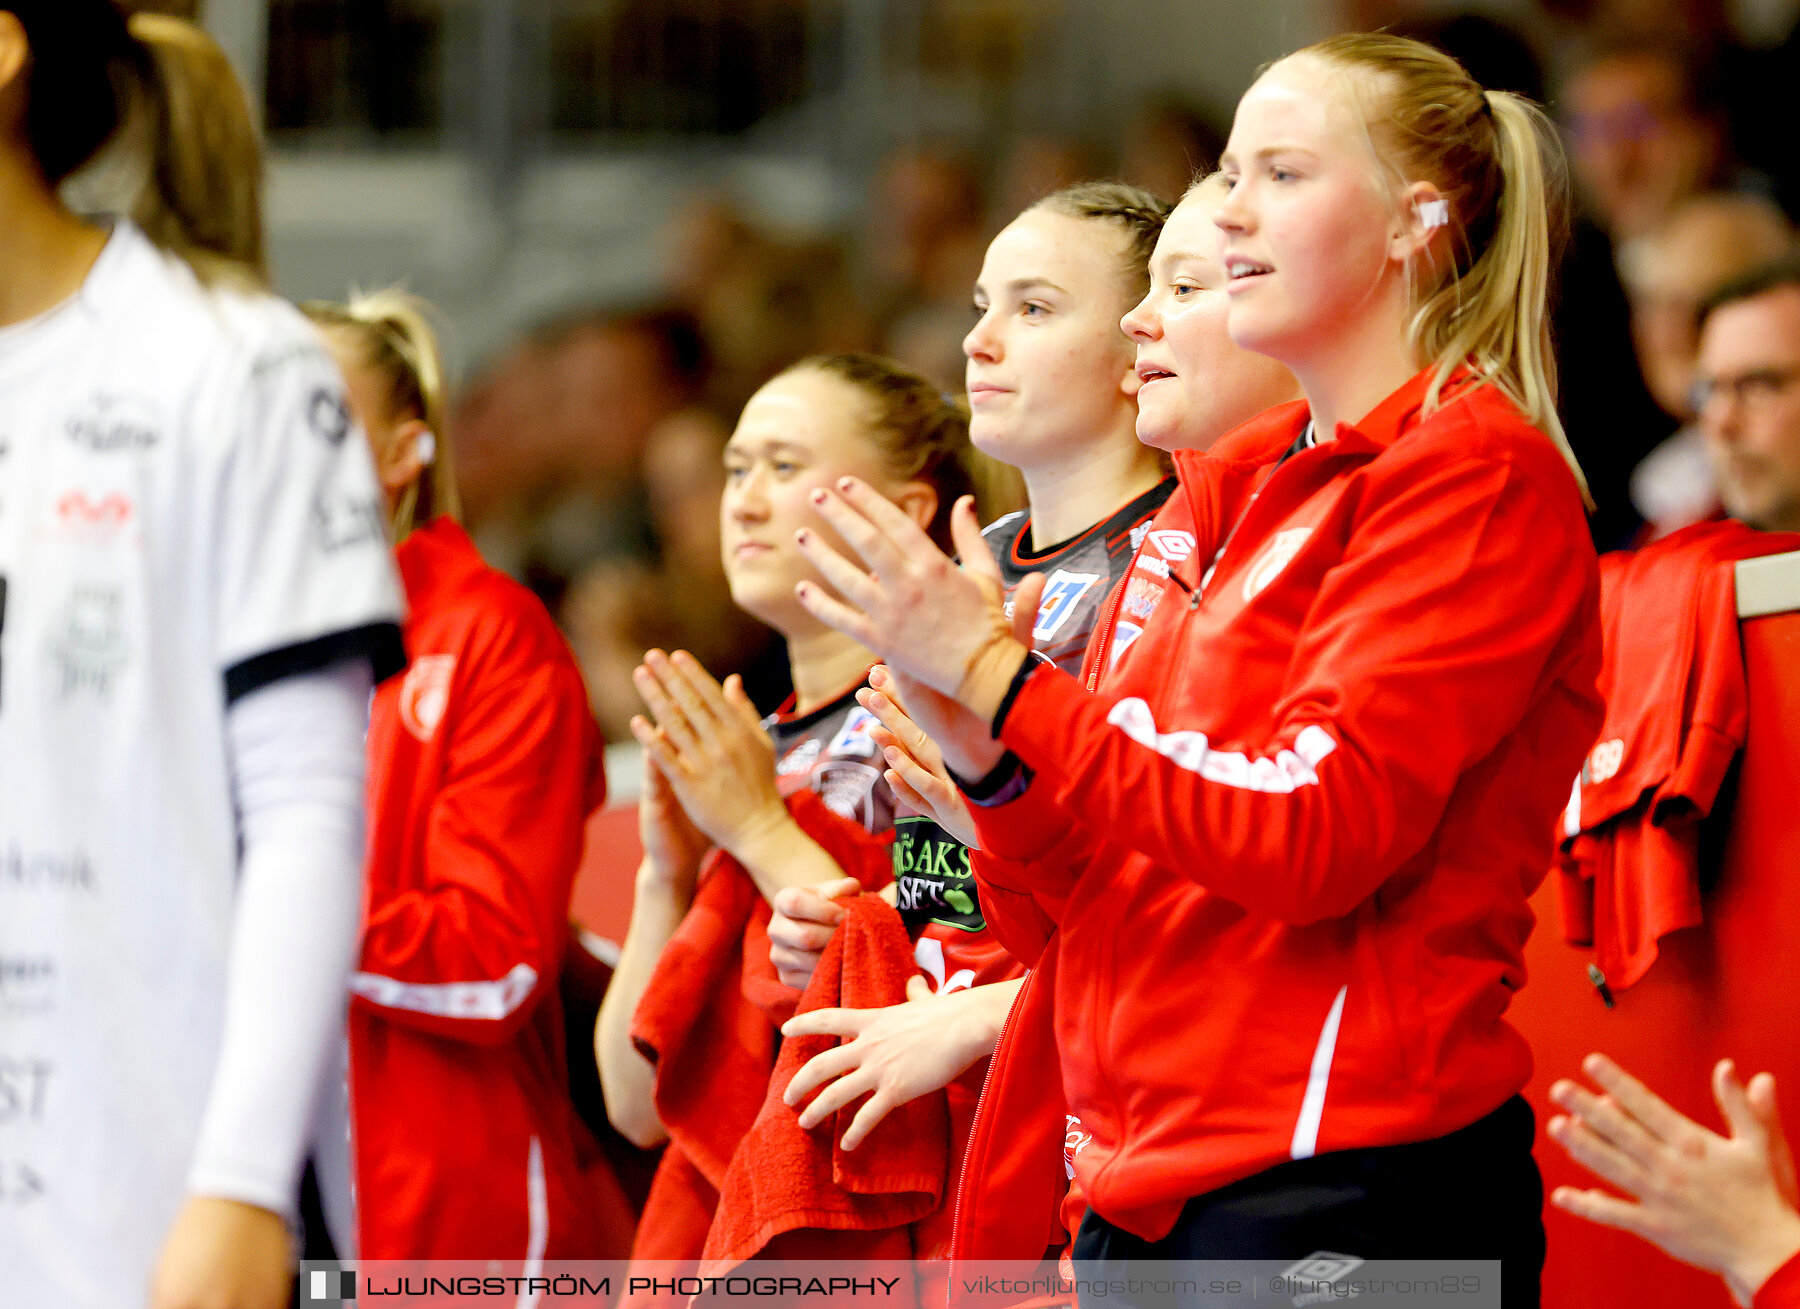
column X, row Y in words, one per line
column 425, row 694
column 1075, row 1140
column 1173, row 544
column 1287, row 772
column 1605, row 761
column 1275, row 556
column 928, row 954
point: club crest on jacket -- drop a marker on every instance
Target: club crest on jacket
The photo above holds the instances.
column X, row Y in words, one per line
column 425, row 694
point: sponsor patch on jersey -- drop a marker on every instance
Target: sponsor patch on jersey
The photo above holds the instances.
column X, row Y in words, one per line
column 24, row 1084
column 1141, row 598
column 929, row 955
column 932, row 878
column 800, row 758
column 27, row 984
column 425, row 694
column 1124, row 635
column 848, row 790
column 343, row 522
column 1138, row 534
column 89, row 646
column 1272, row 558
column 1172, row 544
column 328, row 414
column 854, row 739
column 80, row 510
column 1062, row 596
column 108, row 424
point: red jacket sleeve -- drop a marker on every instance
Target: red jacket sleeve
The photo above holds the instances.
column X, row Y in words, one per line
column 1781, row 1291
column 468, row 953
column 1462, row 596
column 1031, row 854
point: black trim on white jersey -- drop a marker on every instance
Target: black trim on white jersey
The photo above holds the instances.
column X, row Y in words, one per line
column 379, row 643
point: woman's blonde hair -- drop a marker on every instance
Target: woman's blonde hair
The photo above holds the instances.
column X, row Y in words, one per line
column 1498, row 162
column 397, row 343
column 202, row 199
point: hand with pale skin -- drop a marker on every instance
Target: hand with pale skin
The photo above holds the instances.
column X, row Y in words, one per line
column 915, row 764
column 224, row 1254
column 941, row 624
column 709, row 743
column 1725, row 1204
column 673, row 846
column 895, row 1054
column 673, row 851
column 802, row 925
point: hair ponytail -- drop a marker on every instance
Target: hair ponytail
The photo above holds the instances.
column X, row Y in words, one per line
column 1500, row 165
column 398, row 344
column 202, row 197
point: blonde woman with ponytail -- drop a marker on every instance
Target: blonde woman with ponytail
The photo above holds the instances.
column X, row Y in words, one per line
column 1288, row 820
column 484, row 764
column 187, row 664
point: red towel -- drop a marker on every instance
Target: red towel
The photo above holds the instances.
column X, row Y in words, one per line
column 708, row 1020
column 852, row 1205
column 1676, row 712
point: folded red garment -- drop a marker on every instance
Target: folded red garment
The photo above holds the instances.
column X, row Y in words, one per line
column 1676, row 713
column 708, row 1021
column 784, row 1181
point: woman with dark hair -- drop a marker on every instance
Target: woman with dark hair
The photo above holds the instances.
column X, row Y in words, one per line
column 198, row 599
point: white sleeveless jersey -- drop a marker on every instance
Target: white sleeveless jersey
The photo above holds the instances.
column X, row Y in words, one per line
column 186, row 512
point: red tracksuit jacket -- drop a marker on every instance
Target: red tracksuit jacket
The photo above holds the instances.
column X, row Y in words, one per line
column 484, row 763
column 1290, row 840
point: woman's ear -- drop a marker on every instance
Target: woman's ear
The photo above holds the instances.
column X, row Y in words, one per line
column 410, row 449
column 1424, row 221
column 919, row 502
column 1129, row 381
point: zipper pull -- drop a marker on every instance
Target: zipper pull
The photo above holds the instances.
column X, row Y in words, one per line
column 1598, row 978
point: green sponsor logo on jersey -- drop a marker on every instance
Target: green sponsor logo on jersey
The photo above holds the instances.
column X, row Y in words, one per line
column 933, row 878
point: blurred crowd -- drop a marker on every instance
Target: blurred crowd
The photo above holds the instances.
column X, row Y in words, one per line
column 590, row 446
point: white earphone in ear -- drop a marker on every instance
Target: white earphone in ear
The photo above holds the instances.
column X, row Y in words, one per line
column 425, row 447
column 1434, row 213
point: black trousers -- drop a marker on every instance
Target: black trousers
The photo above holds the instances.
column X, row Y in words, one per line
column 1474, row 1194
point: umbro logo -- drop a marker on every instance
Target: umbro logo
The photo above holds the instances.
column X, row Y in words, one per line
column 1173, row 545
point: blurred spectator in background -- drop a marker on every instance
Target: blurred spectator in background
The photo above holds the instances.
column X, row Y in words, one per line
column 551, row 442
column 1748, row 394
column 1707, row 241
column 188, row 9
column 1036, row 165
column 923, row 236
column 616, row 611
column 761, row 303
column 1167, row 145
column 1646, row 131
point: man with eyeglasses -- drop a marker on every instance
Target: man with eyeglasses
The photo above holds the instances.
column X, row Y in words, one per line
column 1747, row 394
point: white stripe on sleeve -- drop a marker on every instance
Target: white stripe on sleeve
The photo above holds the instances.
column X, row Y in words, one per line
column 1285, row 773
column 490, row 1001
